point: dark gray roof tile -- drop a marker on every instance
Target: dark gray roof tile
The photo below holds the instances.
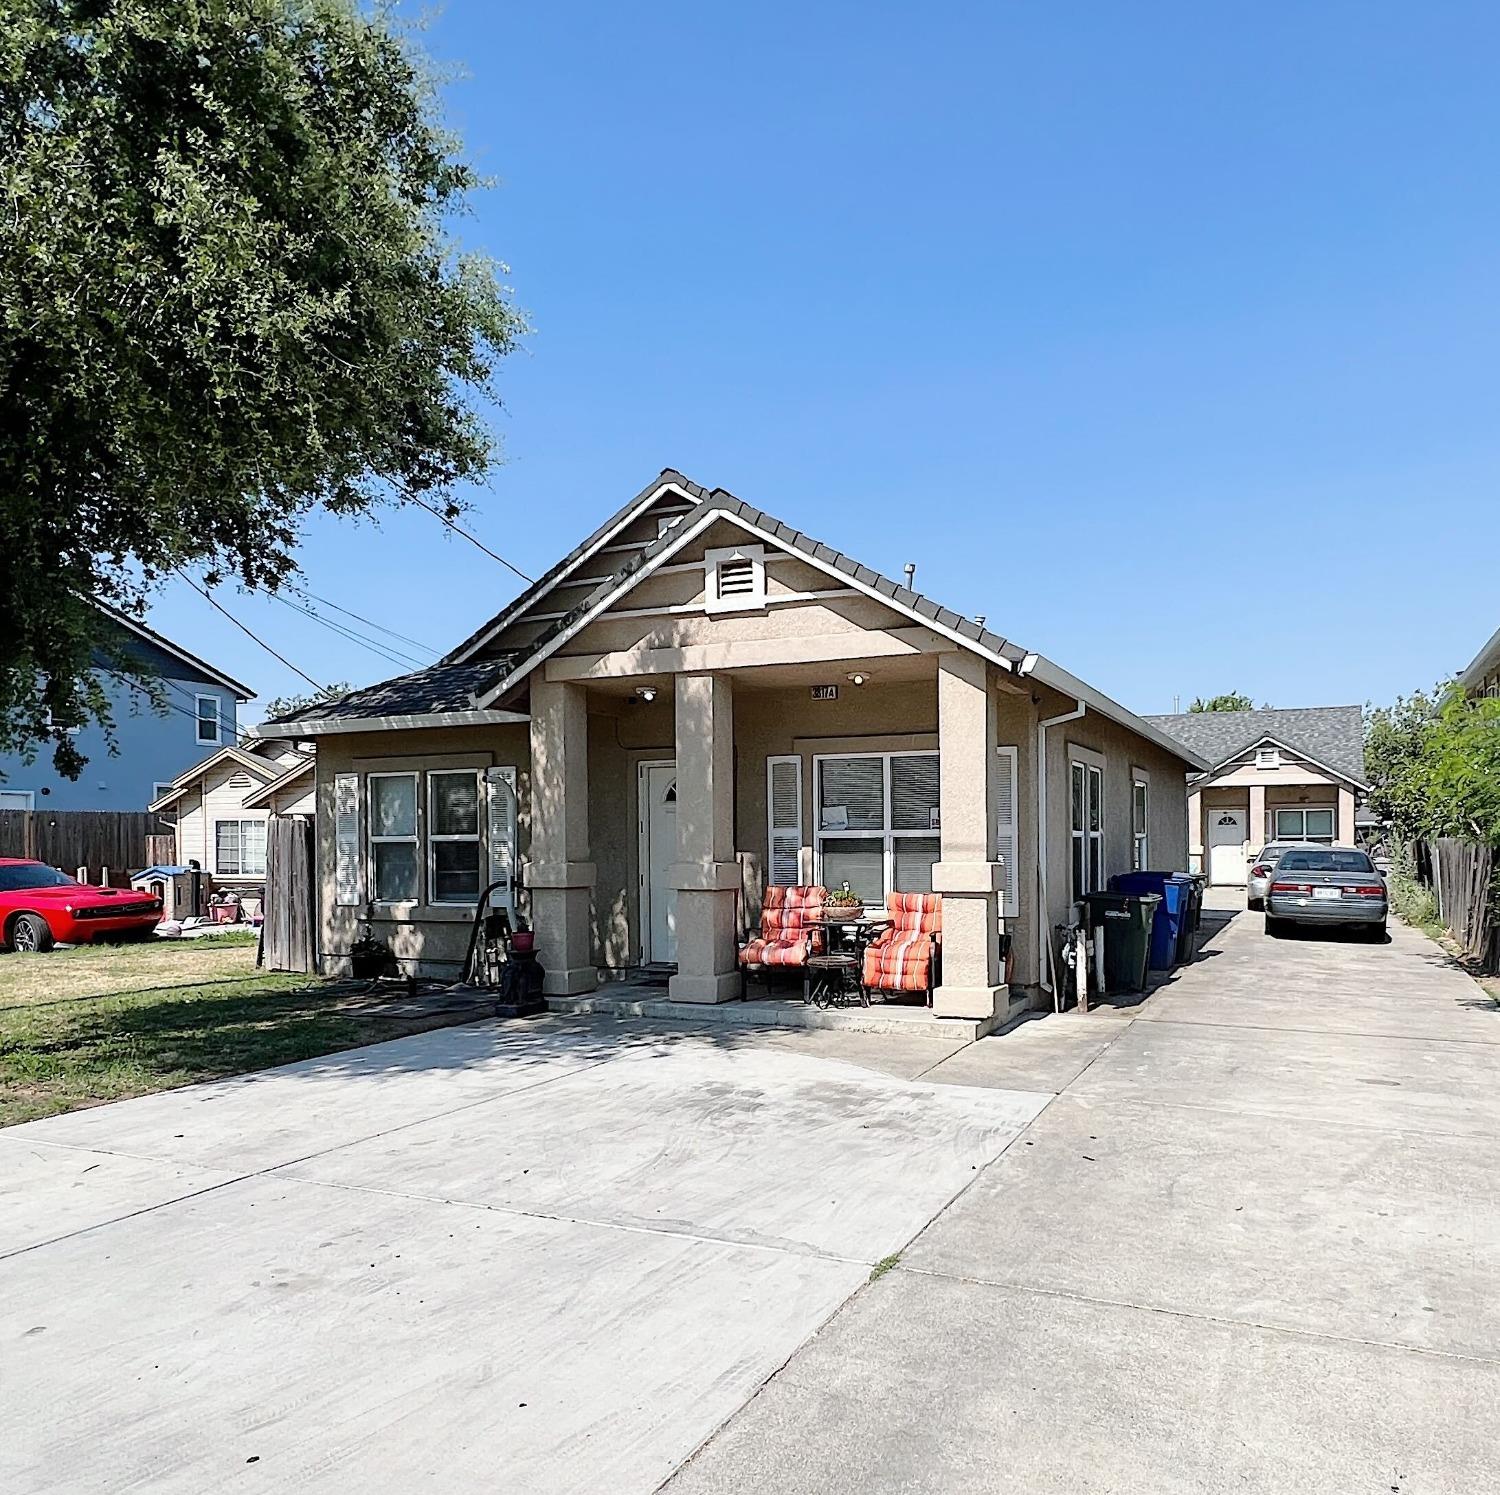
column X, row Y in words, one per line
column 440, row 687
column 1334, row 735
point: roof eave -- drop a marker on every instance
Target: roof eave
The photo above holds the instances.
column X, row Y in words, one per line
column 334, row 725
column 1482, row 663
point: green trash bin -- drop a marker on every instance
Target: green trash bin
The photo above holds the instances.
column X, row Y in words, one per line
column 1126, row 919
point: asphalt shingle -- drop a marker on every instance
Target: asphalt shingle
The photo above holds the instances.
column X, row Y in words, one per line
column 1334, row 735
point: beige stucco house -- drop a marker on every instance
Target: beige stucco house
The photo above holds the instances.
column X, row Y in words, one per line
column 1482, row 675
column 1275, row 775
column 699, row 700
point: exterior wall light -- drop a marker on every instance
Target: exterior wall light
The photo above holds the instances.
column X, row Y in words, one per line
column 857, row 677
column 646, row 693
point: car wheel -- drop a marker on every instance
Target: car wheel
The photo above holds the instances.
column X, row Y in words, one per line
column 1274, row 927
column 30, row 934
column 1376, row 933
column 1256, row 904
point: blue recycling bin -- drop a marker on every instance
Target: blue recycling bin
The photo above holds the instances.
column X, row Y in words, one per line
column 1172, row 929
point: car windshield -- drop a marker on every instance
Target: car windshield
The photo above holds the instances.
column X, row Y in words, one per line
column 1325, row 861
column 32, row 875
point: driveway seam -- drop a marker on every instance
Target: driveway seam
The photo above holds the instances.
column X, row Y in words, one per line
column 1208, row 1318
column 1193, row 1022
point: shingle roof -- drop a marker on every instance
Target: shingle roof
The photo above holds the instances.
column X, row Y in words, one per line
column 1334, row 735
column 440, row 687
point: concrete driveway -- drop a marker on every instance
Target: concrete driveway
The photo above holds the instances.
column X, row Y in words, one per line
column 1254, row 1247
column 1252, row 1244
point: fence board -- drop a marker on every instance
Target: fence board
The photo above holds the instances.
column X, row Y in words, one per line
column 287, row 932
column 1462, row 877
column 70, row 839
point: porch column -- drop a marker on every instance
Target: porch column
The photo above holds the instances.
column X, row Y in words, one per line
column 1256, row 830
column 1197, row 855
column 559, row 873
column 706, row 875
column 1344, row 831
column 969, row 875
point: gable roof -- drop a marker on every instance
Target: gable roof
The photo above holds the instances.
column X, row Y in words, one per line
column 1331, row 736
column 669, row 480
column 264, row 767
column 151, row 636
column 446, row 691
column 261, row 798
column 721, row 505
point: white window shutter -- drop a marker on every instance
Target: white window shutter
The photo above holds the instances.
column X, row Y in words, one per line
column 784, row 820
column 500, row 817
column 348, row 866
column 1007, row 832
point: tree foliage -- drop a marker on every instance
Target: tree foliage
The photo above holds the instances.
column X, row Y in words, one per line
column 1231, row 701
column 285, row 705
column 228, row 298
column 1433, row 762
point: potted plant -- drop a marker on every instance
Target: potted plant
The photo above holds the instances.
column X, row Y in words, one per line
column 843, row 899
column 369, row 957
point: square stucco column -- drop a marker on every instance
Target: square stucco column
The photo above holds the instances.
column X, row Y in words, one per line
column 559, row 873
column 1197, row 856
column 706, row 875
column 970, row 873
column 1345, row 829
column 1256, row 829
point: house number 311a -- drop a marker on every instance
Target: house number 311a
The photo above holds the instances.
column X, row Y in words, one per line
column 825, row 692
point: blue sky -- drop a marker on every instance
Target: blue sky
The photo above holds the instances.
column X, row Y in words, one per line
column 1164, row 334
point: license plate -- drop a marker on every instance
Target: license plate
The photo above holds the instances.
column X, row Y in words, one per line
column 1328, row 892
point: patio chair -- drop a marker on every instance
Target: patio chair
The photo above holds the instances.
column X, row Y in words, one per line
column 787, row 935
column 905, row 957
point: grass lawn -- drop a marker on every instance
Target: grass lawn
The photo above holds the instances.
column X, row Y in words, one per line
column 99, row 1023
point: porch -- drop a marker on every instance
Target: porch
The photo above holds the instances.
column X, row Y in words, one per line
column 663, row 803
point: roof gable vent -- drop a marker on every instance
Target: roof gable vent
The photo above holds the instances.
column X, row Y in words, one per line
column 1267, row 757
column 239, row 780
column 735, row 578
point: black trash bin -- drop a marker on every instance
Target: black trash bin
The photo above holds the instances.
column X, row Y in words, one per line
column 1126, row 919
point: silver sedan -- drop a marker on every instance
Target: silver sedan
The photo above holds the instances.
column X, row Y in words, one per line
column 1258, row 879
column 1326, row 885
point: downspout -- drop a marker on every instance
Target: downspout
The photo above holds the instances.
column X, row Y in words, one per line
column 1044, row 941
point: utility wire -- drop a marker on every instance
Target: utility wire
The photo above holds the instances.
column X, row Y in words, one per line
column 387, row 652
column 368, row 622
column 472, row 539
column 248, row 632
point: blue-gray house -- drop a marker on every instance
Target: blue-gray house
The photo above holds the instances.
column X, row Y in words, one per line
column 153, row 745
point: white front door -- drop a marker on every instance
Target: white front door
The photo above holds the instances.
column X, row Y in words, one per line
column 1226, row 846
column 658, row 798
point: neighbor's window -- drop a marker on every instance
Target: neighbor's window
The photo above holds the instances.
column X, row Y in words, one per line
column 393, row 836
column 1305, row 825
column 209, row 729
column 240, row 848
column 453, row 836
column 1087, row 796
column 877, row 822
column 1140, row 808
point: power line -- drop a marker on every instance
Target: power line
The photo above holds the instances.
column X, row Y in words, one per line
column 368, row 622
column 248, row 632
column 389, row 653
column 472, row 539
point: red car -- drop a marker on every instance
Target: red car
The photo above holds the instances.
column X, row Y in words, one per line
column 40, row 905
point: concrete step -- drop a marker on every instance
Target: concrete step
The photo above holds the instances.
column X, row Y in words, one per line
column 909, row 1022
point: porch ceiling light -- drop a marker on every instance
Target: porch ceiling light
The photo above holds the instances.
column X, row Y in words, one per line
column 646, row 693
column 857, row 677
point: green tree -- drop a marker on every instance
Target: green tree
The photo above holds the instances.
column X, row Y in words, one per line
column 281, row 705
column 229, row 297
column 1232, row 701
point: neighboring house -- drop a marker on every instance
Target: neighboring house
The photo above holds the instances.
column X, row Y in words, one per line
column 201, row 710
column 1482, row 677
column 698, row 701
column 1294, row 775
column 221, row 806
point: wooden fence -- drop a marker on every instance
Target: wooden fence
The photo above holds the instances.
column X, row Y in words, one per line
column 71, row 839
column 287, row 938
column 1463, row 882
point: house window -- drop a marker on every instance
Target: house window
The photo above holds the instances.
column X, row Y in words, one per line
column 878, row 822
column 1267, row 757
column 453, row 836
column 1087, row 805
column 1306, row 825
column 209, row 729
column 240, row 848
column 734, row 578
column 393, row 837
column 1140, row 821
column 157, row 790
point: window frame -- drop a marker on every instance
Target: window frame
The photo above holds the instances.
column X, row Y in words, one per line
column 433, row 839
column 372, row 840
column 888, row 834
column 1087, row 846
column 1140, row 819
column 239, row 822
column 199, row 697
column 1277, row 811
